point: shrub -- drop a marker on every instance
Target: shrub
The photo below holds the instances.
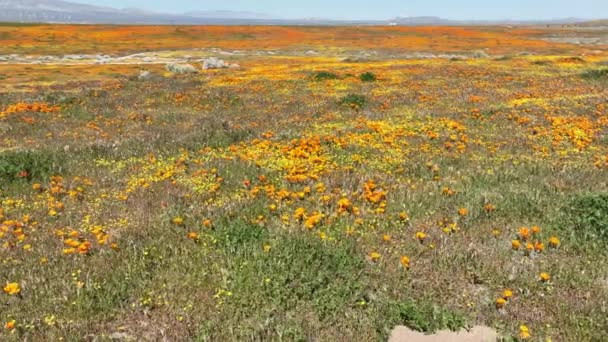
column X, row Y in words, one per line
column 25, row 165
column 503, row 58
column 353, row 101
column 368, row 77
column 599, row 74
column 587, row 216
column 324, row 75
column 541, row 62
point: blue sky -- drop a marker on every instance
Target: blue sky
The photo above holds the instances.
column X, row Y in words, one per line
column 382, row 9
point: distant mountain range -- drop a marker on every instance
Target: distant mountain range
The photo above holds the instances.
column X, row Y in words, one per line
column 58, row 11
column 440, row 21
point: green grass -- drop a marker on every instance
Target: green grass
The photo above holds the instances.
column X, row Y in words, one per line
column 424, row 316
column 586, row 217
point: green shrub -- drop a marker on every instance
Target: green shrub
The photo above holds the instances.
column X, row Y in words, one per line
column 595, row 75
column 503, row 58
column 587, row 216
column 368, row 77
column 354, row 101
column 26, row 165
column 324, row 75
column 541, row 62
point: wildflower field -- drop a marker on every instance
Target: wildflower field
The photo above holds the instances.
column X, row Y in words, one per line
column 343, row 181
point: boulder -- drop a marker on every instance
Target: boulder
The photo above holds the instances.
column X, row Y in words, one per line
column 180, row 68
column 145, row 75
column 216, row 63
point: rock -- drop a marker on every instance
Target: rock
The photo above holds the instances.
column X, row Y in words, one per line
column 75, row 57
column 216, row 63
column 144, row 75
column 477, row 334
column 353, row 59
column 480, row 54
column 180, row 68
column 213, row 63
column 103, row 61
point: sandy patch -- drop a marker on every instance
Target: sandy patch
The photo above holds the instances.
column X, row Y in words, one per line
column 477, row 334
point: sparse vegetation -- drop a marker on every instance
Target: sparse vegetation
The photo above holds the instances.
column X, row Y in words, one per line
column 270, row 202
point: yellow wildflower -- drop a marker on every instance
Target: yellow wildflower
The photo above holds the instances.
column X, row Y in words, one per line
column 12, row 289
column 10, row 325
column 375, row 256
column 554, row 242
column 524, row 233
column 515, row 244
column 405, row 262
column 545, row 277
column 420, row 236
column 524, row 332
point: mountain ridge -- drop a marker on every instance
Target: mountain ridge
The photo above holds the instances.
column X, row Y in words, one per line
column 61, row 11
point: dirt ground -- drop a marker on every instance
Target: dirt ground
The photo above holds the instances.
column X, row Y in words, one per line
column 477, row 334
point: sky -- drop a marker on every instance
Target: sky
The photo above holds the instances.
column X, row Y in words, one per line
column 382, row 9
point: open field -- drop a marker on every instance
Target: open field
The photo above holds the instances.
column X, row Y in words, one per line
column 340, row 183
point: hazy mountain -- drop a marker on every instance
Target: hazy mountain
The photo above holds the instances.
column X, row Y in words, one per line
column 229, row 15
column 52, row 5
column 440, row 21
column 420, row 21
column 58, row 11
